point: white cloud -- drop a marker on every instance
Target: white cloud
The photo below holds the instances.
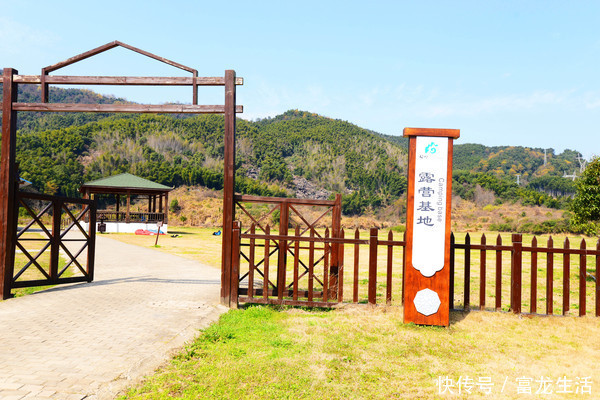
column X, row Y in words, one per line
column 14, row 37
column 431, row 106
column 592, row 105
column 592, row 101
column 265, row 99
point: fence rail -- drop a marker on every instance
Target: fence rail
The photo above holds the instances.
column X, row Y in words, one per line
column 122, row 216
column 370, row 268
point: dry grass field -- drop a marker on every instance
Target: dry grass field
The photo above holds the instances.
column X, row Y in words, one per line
column 201, row 207
column 201, row 245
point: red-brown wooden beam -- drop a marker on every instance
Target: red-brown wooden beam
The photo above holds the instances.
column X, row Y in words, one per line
column 284, row 220
column 98, row 50
column 8, row 182
column 124, row 80
column 228, row 189
column 111, row 45
column 235, row 265
column 195, row 89
column 516, row 273
column 449, row 133
column 246, row 198
column 125, row 108
column 91, row 254
column 57, row 205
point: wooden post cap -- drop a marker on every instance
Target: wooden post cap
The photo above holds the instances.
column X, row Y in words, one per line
column 451, row 133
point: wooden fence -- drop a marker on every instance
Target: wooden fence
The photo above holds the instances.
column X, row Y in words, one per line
column 507, row 275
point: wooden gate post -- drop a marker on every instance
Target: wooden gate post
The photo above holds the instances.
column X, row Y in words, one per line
column 516, row 273
column 372, row 286
column 235, row 264
column 228, row 188
column 336, row 249
column 91, row 255
column 55, row 239
column 8, row 182
column 284, row 221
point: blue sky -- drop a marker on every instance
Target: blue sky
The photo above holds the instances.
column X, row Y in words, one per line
column 503, row 72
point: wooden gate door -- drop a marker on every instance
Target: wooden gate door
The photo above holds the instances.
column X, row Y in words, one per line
column 261, row 281
column 55, row 243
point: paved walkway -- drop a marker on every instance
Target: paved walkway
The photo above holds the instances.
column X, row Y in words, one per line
column 93, row 340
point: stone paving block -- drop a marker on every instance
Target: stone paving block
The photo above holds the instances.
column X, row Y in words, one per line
column 10, row 386
column 92, row 340
column 32, row 388
column 11, row 397
column 46, row 394
column 13, row 394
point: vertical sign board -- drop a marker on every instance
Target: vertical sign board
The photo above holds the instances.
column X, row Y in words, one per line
column 427, row 269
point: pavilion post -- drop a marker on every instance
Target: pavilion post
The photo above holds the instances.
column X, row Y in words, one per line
column 166, row 213
column 128, row 206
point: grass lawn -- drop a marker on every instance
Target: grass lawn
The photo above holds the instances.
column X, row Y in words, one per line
column 359, row 352
column 362, row 353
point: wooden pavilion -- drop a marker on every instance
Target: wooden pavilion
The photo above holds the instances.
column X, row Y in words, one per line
column 128, row 185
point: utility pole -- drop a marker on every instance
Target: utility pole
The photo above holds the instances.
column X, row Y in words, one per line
column 582, row 163
column 573, row 176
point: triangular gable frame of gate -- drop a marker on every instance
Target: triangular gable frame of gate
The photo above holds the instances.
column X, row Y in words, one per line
column 102, row 49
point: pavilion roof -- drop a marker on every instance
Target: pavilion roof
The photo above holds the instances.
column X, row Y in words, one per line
column 123, row 182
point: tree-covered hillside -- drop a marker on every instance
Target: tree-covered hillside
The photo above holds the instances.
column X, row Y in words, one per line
column 39, row 121
column 334, row 154
column 510, row 161
column 277, row 156
column 58, row 152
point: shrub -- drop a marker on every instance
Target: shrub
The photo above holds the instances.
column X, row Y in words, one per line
column 399, row 228
column 174, row 206
column 502, row 227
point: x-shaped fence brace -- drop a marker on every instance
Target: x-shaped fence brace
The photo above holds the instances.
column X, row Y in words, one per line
column 37, row 219
column 309, row 226
column 75, row 221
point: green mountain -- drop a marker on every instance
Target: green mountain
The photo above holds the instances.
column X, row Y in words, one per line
column 296, row 153
column 40, row 121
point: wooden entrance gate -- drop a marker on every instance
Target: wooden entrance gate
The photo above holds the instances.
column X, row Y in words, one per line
column 10, row 106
